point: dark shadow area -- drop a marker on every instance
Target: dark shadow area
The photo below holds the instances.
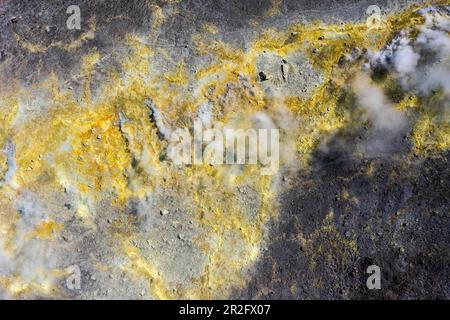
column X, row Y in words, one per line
column 349, row 213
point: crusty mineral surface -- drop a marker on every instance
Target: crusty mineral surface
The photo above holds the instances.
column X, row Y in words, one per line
column 93, row 206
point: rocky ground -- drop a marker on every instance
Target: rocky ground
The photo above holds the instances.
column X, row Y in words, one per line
column 86, row 181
